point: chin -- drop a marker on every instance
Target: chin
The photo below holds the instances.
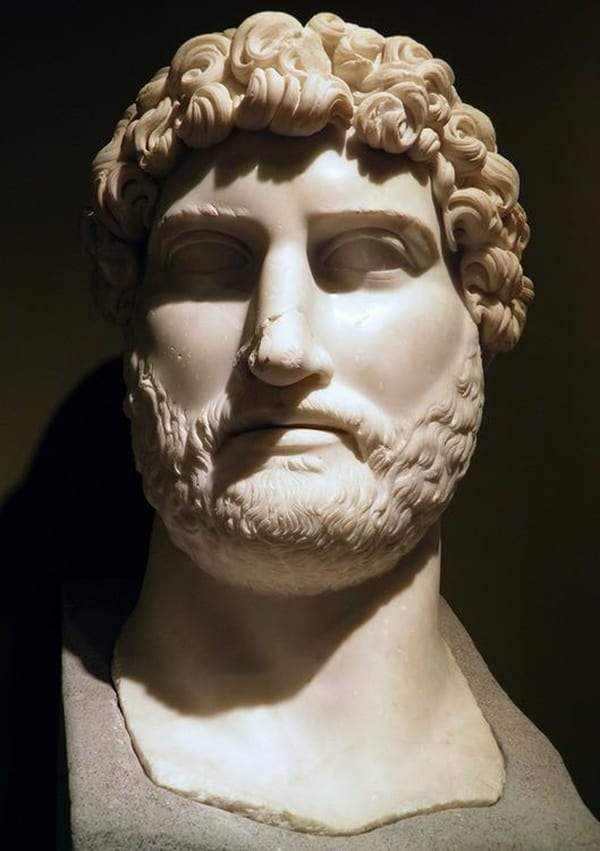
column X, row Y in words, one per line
column 274, row 566
column 293, row 532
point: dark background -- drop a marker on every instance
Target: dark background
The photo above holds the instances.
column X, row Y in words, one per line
column 520, row 540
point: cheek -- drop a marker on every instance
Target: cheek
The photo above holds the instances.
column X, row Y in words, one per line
column 192, row 346
column 403, row 350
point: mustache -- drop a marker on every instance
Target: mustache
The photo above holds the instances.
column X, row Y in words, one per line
column 335, row 407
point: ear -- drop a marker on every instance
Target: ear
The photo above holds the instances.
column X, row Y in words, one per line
column 497, row 295
column 115, row 269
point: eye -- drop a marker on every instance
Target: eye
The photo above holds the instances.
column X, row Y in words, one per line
column 207, row 253
column 367, row 251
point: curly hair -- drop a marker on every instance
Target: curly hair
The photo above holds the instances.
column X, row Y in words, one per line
column 272, row 73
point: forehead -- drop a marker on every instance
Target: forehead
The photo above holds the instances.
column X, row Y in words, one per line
column 279, row 179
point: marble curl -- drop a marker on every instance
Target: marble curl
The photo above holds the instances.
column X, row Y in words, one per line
column 272, row 73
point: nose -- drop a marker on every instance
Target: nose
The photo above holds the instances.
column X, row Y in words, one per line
column 283, row 349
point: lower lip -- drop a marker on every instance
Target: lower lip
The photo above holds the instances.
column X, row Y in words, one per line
column 290, row 440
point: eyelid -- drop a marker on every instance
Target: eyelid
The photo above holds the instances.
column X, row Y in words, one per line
column 170, row 247
column 373, row 234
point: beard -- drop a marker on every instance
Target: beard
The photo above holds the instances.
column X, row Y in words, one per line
column 300, row 524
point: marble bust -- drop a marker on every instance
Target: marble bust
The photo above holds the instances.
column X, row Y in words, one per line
column 313, row 248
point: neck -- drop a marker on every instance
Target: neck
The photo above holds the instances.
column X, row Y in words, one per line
column 298, row 679
column 215, row 629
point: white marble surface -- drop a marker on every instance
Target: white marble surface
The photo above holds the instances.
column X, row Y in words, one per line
column 313, row 245
column 115, row 807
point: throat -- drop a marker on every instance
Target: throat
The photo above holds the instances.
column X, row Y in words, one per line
column 204, row 628
column 333, row 708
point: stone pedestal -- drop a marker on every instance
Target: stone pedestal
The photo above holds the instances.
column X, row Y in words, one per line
column 115, row 807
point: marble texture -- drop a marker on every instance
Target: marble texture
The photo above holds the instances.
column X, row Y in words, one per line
column 115, row 807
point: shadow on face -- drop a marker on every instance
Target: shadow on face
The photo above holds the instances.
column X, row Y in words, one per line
column 243, row 152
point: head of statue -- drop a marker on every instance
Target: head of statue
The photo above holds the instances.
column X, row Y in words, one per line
column 312, row 244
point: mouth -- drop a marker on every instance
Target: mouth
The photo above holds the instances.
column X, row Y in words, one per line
column 291, row 439
column 285, row 427
column 297, row 433
column 297, row 420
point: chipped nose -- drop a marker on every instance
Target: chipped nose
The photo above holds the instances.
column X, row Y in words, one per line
column 283, row 351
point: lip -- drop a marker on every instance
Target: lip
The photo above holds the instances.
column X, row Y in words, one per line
column 289, row 438
column 297, row 419
column 290, row 432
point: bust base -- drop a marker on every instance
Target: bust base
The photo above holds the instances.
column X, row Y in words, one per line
column 115, row 806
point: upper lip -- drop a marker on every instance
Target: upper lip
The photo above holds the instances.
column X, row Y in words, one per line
column 295, row 419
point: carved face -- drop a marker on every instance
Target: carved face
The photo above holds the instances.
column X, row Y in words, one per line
column 305, row 376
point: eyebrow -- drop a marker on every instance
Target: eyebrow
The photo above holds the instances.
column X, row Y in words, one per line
column 188, row 216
